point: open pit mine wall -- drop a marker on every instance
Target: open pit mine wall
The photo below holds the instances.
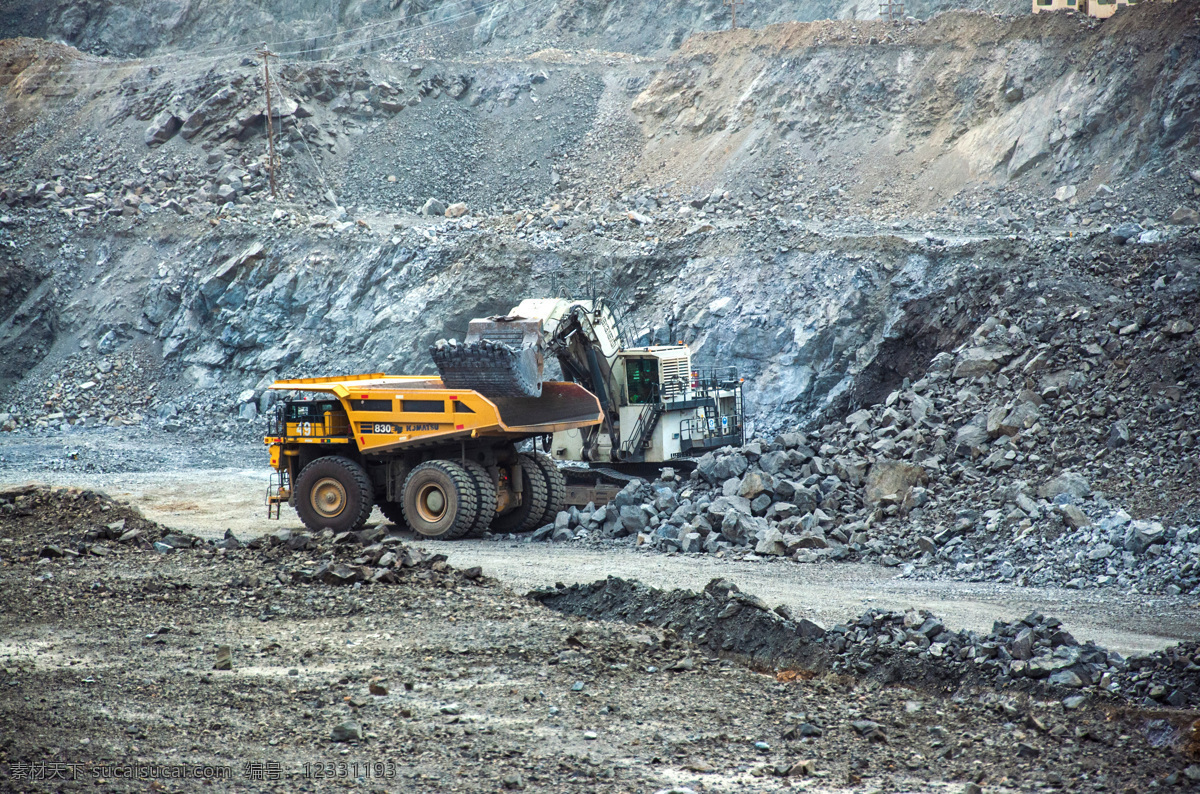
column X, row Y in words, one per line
column 818, row 325
column 829, row 319
column 320, row 30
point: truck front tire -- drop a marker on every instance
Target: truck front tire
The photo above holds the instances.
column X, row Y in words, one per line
column 333, row 493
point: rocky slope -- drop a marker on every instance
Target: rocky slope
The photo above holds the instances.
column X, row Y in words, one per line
column 1037, row 453
column 825, row 206
column 908, row 118
column 313, row 30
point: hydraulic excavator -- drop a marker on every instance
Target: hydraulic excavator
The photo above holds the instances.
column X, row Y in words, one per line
column 655, row 407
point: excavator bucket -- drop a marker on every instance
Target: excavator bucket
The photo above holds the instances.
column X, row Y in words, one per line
column 501, row 357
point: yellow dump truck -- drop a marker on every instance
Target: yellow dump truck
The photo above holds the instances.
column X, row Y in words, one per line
column 443, row 461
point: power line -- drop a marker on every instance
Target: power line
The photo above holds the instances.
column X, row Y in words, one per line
column 891, row 10
column 300, row 132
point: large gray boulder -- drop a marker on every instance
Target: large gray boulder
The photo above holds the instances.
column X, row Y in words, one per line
column 434, row 208
column 634, row 518
column 772, row 544
column 727, row 466
column 1066, row 483
column 891, row 480
column 1141, row 535
column 976, row 361
column 754, row 484
column 773, row 462
column 162, row 129
column 972, row 436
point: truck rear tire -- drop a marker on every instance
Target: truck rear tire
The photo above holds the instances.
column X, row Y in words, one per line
column 527, row 515
column 485, row 492
column 556, row 488
column 440, row 501
column 334, row 493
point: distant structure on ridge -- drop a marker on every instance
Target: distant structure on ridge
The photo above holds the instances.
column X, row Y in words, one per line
column 1101, row 9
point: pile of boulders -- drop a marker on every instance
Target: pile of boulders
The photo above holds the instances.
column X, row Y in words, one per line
column 1114, row 550
column 1035, row 650
column 989, row 467
column 37, row 522
column 42, row 526
column 86, row 389
column 370, row 555
column 1036, row 654
column 761, row 510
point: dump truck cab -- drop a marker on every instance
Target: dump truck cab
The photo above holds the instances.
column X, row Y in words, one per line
column 443, row 461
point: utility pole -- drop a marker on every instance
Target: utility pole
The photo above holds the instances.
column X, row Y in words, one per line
column 733, row 6
column 266, row 56
column 891, row 11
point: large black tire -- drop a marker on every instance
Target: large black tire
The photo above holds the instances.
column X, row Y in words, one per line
column 334, row 493
column 392, row 511
column 440, row 501
column 556, row 488
column 485, row 492
column 527, row 515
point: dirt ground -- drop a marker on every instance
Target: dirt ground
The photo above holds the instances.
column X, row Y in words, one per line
column 441, row 682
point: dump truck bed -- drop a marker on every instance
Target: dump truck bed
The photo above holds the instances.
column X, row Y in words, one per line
column 385, row 413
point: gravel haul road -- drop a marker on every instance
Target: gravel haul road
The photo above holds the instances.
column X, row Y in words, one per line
column 207, row 502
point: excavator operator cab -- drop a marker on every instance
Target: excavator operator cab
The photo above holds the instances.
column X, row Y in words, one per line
column 641, row 380
column 654, row 374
